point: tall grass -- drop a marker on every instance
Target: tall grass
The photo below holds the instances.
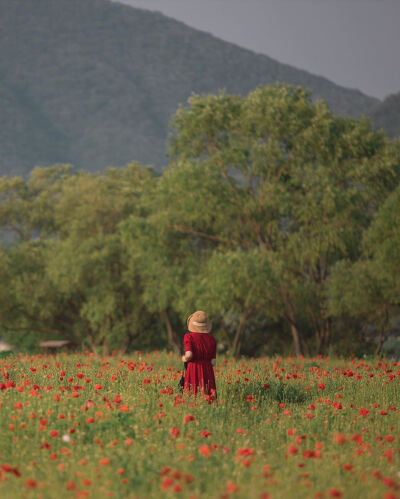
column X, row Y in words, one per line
column 85, row 426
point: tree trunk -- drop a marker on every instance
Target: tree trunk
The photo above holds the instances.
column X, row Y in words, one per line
column 237, row 340
column 291, row 319
column 381, row 337
column 172, row 336
column 123, row 348
column 225, row 332
column 323, row 337
column 296, row 339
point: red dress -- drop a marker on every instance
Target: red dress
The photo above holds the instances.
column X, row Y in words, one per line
column 200, row 373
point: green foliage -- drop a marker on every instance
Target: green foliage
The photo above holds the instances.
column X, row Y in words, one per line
column 72, row 280
column 276, row 216
column 370, row 287
column 272, row 188
column 95, row 83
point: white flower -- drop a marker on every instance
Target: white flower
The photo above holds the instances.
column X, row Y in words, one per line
column 66, row 438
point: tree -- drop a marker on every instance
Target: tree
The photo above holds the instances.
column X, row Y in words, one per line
column 68, row 275
column 275, row 174
column 234, row 284
column 162, row 262
column 369, row 289
column 27, row 206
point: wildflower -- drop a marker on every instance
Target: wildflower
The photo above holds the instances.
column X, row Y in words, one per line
column 335, row 493
column 340, row 439
column 205, row 433
column 30, row 483
column 231, row 487
column 245, row 452
column 166, row 483
column 188, row 418
column 389, row 482
column 389, row 455
column 204, row 450
column 357, row 438
column 165, row 470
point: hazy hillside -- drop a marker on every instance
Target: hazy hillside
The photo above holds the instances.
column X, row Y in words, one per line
column 387, row 115
column 95, row 83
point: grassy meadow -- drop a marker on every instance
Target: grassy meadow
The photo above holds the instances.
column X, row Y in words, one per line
column 81, row 425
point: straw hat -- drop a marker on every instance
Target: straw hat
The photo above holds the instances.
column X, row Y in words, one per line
column 199, row 322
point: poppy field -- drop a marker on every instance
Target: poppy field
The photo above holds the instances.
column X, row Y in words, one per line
column 82, row 425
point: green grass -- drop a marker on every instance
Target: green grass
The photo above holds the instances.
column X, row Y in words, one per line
column 266, row 409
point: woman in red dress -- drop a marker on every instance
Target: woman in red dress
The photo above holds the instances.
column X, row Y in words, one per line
column 200, row 353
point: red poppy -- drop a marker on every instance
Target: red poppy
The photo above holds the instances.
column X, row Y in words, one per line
column 340, row 438
column 231, row 487
column 174, row 432
column 205, row 450
column 166, row 483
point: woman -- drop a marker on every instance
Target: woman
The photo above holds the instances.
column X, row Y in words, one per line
column 200, row 353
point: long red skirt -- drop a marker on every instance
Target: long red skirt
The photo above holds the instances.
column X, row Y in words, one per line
column 200, row 377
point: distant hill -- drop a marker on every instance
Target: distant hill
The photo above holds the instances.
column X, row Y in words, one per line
column 387, row 115
column 95, row 83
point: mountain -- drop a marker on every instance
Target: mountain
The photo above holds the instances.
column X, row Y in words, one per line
column 95, row 83
column 387, row 115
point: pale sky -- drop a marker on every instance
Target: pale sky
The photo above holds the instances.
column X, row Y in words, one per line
column 355, row 43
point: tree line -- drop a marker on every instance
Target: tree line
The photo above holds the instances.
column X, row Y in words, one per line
column 276, row 216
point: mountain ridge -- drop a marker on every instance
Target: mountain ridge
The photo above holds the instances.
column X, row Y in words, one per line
column 95, row 83
column 386, row 115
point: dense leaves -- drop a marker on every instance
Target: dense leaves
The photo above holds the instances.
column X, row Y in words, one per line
column 276, row 216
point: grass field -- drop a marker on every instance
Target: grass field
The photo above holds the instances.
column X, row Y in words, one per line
column 80, row 425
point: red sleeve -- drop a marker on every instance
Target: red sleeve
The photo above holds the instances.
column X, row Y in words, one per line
column 187, row 342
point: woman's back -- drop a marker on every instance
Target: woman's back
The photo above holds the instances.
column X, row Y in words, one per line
column 202, row 345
